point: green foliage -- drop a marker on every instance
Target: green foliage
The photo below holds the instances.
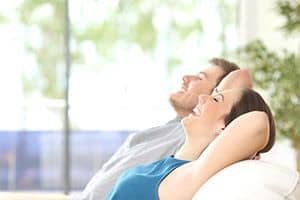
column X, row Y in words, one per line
column 173, row 63
column 278, row 73
column 184, row 30
column 290, row 10
column 3, row 19
column 143, row 32
column 128, row 23
column 47, row 49
column 104, row 36
column 227, row 14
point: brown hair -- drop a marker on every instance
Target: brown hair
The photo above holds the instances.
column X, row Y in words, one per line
column 252, row 101
column 226, row 66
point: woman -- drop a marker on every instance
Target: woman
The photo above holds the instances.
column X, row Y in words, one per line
column 250, row 130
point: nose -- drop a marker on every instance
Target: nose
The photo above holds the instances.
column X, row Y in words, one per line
column 187, row 78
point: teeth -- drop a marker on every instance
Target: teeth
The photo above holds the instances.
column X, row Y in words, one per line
column 197, row 111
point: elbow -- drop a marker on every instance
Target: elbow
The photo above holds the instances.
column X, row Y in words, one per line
column 246, row 77
column 263, row 133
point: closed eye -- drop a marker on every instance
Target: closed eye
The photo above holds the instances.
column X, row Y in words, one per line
column 202, row 75
column 219, row 95
column 218, row 98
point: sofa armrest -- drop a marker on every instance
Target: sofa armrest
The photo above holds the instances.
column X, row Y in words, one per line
column 31, row 196
column 251, row 179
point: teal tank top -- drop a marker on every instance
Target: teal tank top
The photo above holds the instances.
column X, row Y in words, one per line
column 141, row 183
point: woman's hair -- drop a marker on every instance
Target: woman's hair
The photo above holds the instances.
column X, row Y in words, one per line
column 252, row 101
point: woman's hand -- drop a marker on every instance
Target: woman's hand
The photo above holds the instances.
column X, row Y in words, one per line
column 236, row 79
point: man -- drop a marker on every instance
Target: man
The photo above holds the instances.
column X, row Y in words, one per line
column 155, row 143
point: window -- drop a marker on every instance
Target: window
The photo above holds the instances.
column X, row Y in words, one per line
column 126, row 55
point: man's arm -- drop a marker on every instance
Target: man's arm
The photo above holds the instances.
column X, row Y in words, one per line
column 242, row 138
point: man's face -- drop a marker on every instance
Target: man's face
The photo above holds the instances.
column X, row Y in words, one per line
column 192, row 86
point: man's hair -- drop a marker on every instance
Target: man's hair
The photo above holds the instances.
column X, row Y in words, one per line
column 252, row 101
column 226, row 66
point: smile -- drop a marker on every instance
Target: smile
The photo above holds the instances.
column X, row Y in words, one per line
column 197, row 111
column 183, row 88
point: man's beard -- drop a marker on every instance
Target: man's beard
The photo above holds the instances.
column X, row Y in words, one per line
column 181, row 106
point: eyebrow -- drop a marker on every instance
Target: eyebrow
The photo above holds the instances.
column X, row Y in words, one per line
column 218, row 93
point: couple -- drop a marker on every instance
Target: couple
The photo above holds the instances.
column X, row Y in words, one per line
column 210, row 132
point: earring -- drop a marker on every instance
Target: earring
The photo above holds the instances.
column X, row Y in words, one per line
column 218, row 132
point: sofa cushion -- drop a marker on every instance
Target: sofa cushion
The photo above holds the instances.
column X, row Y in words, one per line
column 252, row 179
column 31, row 196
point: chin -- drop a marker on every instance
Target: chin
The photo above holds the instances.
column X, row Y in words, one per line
column 174, row 101
column 187, row 120
column 188, row 124
column 175, row 95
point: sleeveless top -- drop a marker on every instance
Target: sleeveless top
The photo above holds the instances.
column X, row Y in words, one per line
column 142, row 181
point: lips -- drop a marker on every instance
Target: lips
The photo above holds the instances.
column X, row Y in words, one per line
column 197, row 111
column 183, row 88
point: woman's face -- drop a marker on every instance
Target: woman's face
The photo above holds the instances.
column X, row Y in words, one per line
column 211, row 110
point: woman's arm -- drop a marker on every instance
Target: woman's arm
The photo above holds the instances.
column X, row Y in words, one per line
column 242, row 138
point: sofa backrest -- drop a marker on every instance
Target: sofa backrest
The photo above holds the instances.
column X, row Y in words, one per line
column 252, row 179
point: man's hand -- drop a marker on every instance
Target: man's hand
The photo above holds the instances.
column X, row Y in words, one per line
column 236, row 79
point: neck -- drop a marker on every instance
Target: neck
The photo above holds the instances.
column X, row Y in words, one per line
column 182, row 113
column 187, row 152
column 196, row 143
column 192, row 150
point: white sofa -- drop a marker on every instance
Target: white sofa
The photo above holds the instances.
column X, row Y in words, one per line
column 252, row 179
column 246, row 180
column 31, row 196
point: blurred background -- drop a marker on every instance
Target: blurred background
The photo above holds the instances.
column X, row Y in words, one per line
column 125, row 57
